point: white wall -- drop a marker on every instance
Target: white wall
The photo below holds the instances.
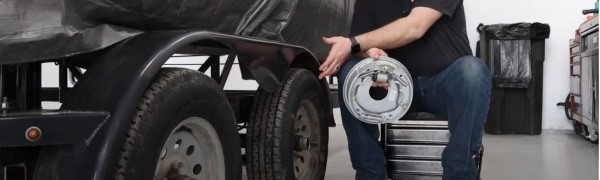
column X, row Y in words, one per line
column 563, row 16
column 235, row 81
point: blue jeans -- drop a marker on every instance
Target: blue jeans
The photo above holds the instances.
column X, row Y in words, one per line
column 461, row 92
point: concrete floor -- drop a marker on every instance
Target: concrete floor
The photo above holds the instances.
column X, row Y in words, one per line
column 557, row 155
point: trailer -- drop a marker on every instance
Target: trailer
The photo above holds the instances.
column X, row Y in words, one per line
column 128, row 116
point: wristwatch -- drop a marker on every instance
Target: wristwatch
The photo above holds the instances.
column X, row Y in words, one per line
column 355, row 48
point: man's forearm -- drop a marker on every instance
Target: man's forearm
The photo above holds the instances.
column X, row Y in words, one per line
column 401, row 31
column 393, row 35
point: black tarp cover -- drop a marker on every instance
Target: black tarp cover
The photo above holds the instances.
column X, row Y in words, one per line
column 34, row 30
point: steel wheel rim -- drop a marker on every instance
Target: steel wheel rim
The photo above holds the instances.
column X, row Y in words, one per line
column 192, row 150
column 593, row 136
column 307, row 141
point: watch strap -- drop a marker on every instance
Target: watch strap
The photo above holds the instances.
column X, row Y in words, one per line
column 355, row 48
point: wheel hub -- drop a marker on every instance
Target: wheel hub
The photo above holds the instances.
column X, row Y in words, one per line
column 175, row 173
column 306, row 143
column 302, row 143
column 193, row 146
column 592, row 134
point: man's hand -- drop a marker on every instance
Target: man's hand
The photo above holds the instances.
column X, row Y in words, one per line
column 375, row 53
column 340, row 50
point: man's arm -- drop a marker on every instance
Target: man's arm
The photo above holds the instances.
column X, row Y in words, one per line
column 396, row 34
column 401, row 31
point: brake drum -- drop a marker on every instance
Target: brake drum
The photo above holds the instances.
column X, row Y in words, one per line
column 359, row 81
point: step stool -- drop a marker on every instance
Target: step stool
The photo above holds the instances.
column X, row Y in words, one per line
column 414, row 147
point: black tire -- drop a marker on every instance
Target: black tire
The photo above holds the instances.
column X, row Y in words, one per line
column 185, row 105
column 577, row 127
column 287, row 133
column 567, row 105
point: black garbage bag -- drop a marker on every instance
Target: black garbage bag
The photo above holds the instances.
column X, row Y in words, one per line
column 508, row 52
column 515, row 31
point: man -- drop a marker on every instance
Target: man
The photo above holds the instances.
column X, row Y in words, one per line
column 429, row 37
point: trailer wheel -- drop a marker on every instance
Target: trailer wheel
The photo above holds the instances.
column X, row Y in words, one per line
column 592, row 135
column 287, row 132
column 184, row 128
column 567, row 104
column 577, row 127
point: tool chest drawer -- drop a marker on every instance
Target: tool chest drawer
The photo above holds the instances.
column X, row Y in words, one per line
column 422, row 167
column 415, row 151
column 440, row 136
column 574, row 85
column 576, row 69
column 575, row 50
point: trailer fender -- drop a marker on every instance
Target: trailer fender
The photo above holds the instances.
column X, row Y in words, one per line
column 115, row 82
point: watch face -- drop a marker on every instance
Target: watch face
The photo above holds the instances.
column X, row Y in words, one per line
column 355, row 48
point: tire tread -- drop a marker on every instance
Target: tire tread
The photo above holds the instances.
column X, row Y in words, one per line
column 139, row 121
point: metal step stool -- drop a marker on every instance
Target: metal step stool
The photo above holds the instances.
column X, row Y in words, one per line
column 414, row 147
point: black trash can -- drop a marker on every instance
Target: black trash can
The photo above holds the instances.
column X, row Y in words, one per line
column 514, row 53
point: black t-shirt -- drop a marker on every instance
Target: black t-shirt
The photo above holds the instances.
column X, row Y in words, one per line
column 442, row 44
